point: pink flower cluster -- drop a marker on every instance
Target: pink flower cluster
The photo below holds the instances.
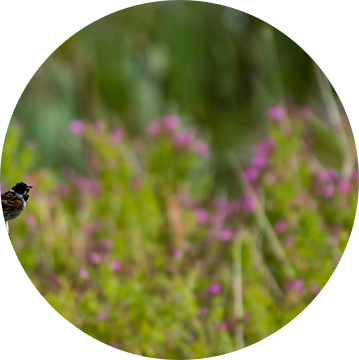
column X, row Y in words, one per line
column 259, row 161
column 328, row 181
column 87, row 186
column 277, row 113
column 296, row 286
column 182, row 139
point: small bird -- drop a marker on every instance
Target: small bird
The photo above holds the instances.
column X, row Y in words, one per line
column 13, row 202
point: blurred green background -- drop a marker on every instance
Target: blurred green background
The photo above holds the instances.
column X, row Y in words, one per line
column 214, row 66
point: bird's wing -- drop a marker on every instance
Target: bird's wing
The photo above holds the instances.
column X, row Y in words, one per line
column 10, row 201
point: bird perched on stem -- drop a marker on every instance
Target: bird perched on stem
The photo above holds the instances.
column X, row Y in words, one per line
column 13, row 202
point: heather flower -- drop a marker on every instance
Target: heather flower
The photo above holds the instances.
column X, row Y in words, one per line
column 116, row 266
column 226, row 235
column 265, row 147
column 171, row 122
column 201, row 215
column 296, row 285
column 280, row 227
column 251, row 174
column 94, row 258
column 154, row 128
column 276, row 113
column 259, row 161
column 30, row 221
column 214, row 288
column 76, row 127
column 116, row 136
column 328, row 190
column 223, row 207
column 107, row 244
column 289, row 241
column 222, row 326
column 87, row 186
column 202, row 148
column 248, row 204
column 183, row 139
column 83, row 273
column 177, row 253
column 102, row 315
column 344, row 186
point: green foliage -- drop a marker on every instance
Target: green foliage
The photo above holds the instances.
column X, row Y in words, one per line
column 143, row 256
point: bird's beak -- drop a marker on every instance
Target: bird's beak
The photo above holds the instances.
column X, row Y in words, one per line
column 29, row 187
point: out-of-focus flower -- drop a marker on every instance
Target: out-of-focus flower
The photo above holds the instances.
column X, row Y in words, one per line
column 327, row 190
column 183, row 139
column 106, row 244
column 202, row 148
column 2, row 188
column 222, row 326
column 226, row 235
column 177, row 253
column 280, row 227
column 344, row 186
column 62, row 190
column 83, row 273
column 87, row 186
column 289, row 241
column 76, row 127
column 102, row 315
column 114, row 344
column 94, row 258
column 30, row 220
column 171, row 122
column 248, row 203
column 296, row 285
column 154, row 128
column 201, row 215
column 251, row 174
column 214, row 288
column 259, row 161
column 270, row 177
column 306, row 112
column 247, row 316
column 276, row 113
column 116, row 266
column 265, row 147
column 116, row 135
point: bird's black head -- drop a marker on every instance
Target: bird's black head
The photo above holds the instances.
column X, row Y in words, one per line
column 21, row 188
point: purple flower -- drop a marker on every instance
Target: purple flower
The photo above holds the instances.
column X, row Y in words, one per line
column 259, row 161
column 222, row 326
column 202, row 148
column 94, row 258
column 183, row 139
column 30, row 221
column 116, row 135
column 83, row 273
column 76, row 127
column 276, row 113
column 214, row 288
column 107, row 244
column 101, row 315
column 177, row 253
column 327, row 190
column 314, row 289
column 114, row 344
column 201, row 215
column 344, row 186
column 171, row 122
column 280, row 227
column 296, row 285
column 333, row 240
column 289, row 241
column 154, row 128
column 226, row 235
column 62, row 190
column 265, row 147
column 116, row 266
column 251, row 174
column 248, row 204
column 87, row 186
